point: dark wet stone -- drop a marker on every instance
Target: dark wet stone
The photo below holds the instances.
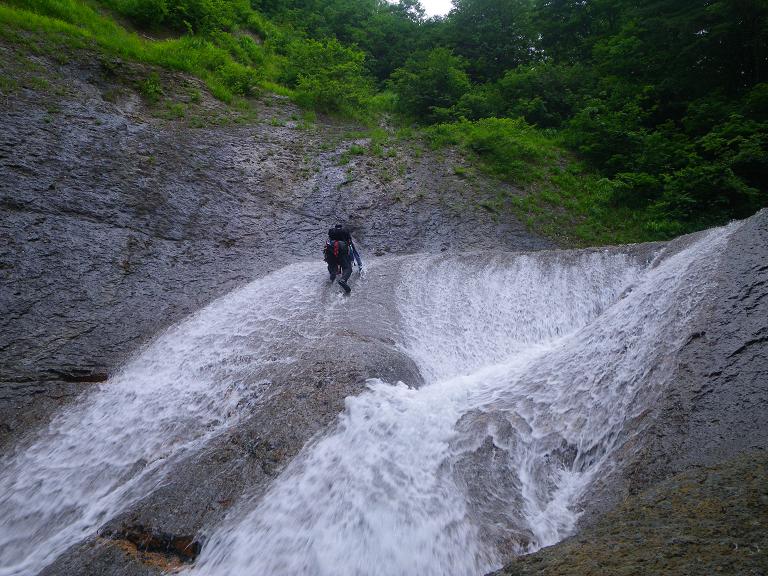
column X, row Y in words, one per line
column 716, row 405
column 712, row 522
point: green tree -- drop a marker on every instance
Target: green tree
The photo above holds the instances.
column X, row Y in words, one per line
column 430, row 83
column 391, row 35
column 493, row 35
column 569, row 28
column 328, row 75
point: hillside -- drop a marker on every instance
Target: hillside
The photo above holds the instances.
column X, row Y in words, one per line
column 552, row 362
column 604, row 116
column 112, row 209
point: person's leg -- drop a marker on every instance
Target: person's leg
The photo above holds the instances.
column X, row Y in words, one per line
column 346, row 272
column 332, row 269
column 346, row 269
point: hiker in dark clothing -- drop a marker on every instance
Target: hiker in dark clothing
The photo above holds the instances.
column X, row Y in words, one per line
column 338, row 252
column 340, row 233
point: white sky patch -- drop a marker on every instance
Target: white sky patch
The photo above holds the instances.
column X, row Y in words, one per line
column 437, row 7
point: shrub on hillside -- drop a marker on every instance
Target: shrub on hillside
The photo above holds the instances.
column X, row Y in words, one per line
column 508, row 147
column 239, row 79
column 545, row 95
column 193, row 16
column 429, row 84
column 327, row 75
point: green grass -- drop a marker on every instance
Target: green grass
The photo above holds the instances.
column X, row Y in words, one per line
column 505, row 147
column 48, row 26
column 558, row 197
column 8, row 85
column 576, row 208
column 325, row 75
column 354, row 150
column 173, row 111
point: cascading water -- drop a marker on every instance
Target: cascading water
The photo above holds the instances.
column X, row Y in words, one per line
column 537, row 368
column 193, row 381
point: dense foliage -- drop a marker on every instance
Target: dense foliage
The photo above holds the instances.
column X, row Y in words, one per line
column 667, row 99
column 661, row 105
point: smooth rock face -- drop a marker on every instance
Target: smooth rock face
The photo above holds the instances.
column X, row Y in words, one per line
column 709, row 520
column 303, row 397
column 689, row 496
column 114, row 224
column 717, row 404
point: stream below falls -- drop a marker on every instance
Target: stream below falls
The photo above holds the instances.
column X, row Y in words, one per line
column 537, row 368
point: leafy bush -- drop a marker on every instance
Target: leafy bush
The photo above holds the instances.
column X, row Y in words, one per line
column 194, row 16
column 145, row 13
column 327, row 75
column 635, row 189
column 150, row 87
column 610, row 139
column 241, row 48
column 429, row 84
column 239, row 79
column 509, row 148
column 481, row 101
column 545, row 95
column 698, row 196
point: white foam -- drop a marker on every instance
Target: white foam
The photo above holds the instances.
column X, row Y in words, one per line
column 537, row 372
column 117, row 444
column 538, row 368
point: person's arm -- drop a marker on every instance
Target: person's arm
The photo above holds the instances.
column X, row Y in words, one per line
column 356, row 256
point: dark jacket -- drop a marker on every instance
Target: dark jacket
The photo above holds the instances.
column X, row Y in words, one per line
column 340, row 234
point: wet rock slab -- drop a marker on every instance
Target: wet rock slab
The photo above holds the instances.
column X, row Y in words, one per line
column 711, row 520
column 716, row 405
column 303, row 398
column 115, row 223
column 690, row 495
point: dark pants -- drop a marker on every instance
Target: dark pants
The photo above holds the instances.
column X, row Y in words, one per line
column 346, row 267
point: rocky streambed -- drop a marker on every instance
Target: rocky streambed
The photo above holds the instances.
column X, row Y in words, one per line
column 118, row 223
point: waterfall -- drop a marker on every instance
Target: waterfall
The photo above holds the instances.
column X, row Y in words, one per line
column 538, row 367
column 118, row 443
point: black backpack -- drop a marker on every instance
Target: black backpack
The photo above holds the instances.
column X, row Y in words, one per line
column 335, row 249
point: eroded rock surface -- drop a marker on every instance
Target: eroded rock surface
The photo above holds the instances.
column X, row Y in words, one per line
column 711, row 520
column 688, row 496
column 115, row 223
column 301, row 398
column 716, row 405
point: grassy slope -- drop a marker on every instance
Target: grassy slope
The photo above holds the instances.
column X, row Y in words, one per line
column 559, row 198
column 50, row 25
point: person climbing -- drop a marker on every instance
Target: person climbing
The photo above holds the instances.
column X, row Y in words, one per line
column 338, row 253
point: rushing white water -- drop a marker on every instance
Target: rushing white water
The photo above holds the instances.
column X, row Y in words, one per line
column 538, row 368
column 96, row 458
